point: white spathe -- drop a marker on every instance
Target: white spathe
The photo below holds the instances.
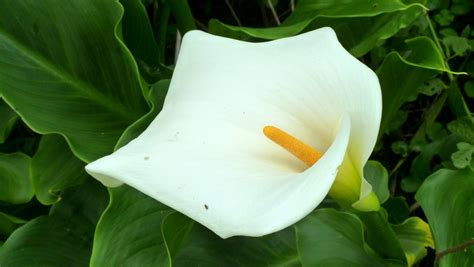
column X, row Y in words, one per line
column 205, row 154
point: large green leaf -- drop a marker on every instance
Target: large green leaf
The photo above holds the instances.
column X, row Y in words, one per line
column 446, row 197
column 131, row 231
column 400, row 78
column 54, row 168
column 359, row 24
column 204, row 248
column 8, row 118
column 381, row 237
column 62, row 238
column 138, row 36
column 324, row 238
column 64, row 71
column 332, row 238
column 182, row 14
column 414, row 235
column 15, row 179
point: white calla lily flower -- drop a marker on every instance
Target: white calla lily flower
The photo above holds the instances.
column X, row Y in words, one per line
column 206, row 156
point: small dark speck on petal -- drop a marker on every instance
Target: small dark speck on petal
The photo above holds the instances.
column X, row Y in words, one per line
column 146, row 158
column 206, row 207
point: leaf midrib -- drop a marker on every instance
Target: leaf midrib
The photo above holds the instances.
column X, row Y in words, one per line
column 87, row 89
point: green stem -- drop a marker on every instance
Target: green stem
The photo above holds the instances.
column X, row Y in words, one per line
column 456, row 101
column 430, row 116
column 182, row 14
column 162, row 23
column 438, row 44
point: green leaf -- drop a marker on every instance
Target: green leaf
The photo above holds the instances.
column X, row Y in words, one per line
column 446, row 198
column 400, row 78
column 398, row 119
column 326, row 237
column 414, row 235
column 400, row 148
column 469, row 88
column 464, row 128
column 175, row 230
column 331, row 238
column 46, row 234
column 377, row 176
column 182, row 14
column 129, row 234
column 432, row 87
column 138, row 36
column 8, row 224
column 463, row 157
column 397, row 209
column 459, row 45
column 456, row 101
column 15, row 180
column 461, row 7
column 359, row 25
column 8, row 118
column 444, row 18
column 421, row 166
column 54, row 168
column 204, row 248
column 64, row 71
column 129, row 231
column 381, row 237
column 64, row 237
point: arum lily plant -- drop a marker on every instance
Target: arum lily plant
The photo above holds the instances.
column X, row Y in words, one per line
column 253, row 136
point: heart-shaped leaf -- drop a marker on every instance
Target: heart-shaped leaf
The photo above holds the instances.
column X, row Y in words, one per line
column 64, row 237
column 64, row 71
column 359, row 24
column 446, row 197
column 54, row 168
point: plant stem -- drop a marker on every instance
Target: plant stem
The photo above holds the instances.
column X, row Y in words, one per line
column 275, row 15
column 456, row 101
column 182, row 14
column 233, row 13
column 438, row 44
column 460, row 247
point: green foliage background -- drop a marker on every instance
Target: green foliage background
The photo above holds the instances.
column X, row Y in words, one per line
column 80, row 78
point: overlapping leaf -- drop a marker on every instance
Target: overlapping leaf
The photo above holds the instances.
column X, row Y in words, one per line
column 64, row 71
column 8, row 118
column 138, row 36
column 414, row 235
column 62, row 238
column 131, row 231
column 446, row 198
column 54, row 168
column 400, row 78
column 359, row 24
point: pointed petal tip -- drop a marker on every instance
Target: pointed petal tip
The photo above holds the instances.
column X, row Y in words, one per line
column 97, row 170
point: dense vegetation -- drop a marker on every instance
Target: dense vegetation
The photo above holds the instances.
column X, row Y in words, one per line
column 53, row 214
